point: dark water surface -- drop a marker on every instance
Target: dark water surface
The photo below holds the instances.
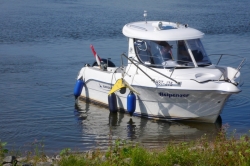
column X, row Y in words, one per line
column 43, row 45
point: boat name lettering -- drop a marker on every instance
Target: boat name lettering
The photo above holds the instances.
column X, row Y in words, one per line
column 105, row 86
column 173, row 95
column 163, row 83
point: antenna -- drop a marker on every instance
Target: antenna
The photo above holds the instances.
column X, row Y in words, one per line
column 145, row 15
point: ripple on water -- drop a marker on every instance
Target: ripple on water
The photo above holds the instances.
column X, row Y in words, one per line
column 238, row 101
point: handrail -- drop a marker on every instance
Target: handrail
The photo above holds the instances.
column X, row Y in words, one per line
column 227, row 55
column 242, row 63
column 136, row 66
column 240, row 66
column 148, row 68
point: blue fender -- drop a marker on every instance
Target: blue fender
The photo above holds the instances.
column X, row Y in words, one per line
column 131, row 103
column 112, row 103
column 78, row 88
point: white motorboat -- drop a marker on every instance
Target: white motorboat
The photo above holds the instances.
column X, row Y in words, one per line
column 168, row 75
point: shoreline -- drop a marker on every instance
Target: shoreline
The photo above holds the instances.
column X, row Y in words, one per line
column 221, row 151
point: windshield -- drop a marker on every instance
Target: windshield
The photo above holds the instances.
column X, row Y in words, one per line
column 170, row 53
column 197, row 50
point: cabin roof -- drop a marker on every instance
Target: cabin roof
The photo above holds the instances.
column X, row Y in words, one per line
column 160, row 31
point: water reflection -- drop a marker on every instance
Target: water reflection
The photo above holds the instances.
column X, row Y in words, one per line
column 131, row 127
column 100, row 122
column 115, row 119
column 81, row 111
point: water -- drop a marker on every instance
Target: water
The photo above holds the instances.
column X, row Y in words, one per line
column 43, row 45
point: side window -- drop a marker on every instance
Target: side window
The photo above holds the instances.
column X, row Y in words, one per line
column 142, row 50
column 156, row 53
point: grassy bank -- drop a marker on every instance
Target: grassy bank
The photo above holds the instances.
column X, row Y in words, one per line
column 221, row 151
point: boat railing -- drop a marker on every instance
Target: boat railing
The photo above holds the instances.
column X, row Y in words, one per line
column 241, row 64
column 221, row 55
column 133, row 62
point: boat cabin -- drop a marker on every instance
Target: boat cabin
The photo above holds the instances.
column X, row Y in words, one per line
column 165, row 44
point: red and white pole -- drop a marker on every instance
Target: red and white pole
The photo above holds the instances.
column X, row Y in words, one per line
column 97, row 58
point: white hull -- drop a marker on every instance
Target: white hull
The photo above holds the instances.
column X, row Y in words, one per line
column 162, row 102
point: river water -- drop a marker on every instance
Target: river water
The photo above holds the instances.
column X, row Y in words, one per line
column 44, row 43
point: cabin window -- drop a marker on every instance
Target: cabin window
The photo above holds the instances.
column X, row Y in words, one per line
column 197, row 50
column 183, row 55
column 142, row 50
column 154, row 53
column 170, row 53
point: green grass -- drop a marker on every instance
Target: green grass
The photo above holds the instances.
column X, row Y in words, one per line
column 221, row 151
column 3, row 150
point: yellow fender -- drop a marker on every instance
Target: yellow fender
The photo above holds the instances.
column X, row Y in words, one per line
column 121, row 83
